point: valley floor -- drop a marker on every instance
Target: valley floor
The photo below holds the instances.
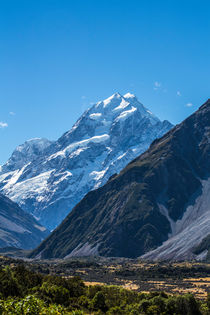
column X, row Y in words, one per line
column 173, row 278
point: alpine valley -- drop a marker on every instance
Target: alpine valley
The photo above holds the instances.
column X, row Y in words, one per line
column 47, row 179
column 157, row 207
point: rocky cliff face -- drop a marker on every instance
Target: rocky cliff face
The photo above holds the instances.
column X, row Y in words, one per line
column 48, row 179
column 158, row 204
column 18, row 228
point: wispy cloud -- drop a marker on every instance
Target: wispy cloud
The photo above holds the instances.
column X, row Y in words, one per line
column 3, row 124
column 83, row 97
column 189, row 104
column 178, row 93
column 12, row 113
column 157, row 85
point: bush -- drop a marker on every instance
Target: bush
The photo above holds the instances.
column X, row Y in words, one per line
column 74, row 285
column 9, row 284
column 143, row 305
column 115, row 311
column 98, row 302
column 30, row 305
column 54, row 294
column 208, row 301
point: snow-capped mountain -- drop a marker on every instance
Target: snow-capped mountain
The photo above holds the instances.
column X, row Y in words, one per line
column 157, row 207
column 48, row 179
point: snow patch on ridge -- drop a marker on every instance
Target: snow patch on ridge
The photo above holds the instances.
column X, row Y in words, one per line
column 79, row 144
column 95, row 116
column 124, row 115
column 63, row 177
column 109, row 99
column 98, row 175
column 129, row 95
column 122, row 105
column 39, row 227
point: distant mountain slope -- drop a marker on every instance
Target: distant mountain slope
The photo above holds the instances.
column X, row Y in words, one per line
column 203, row 249
column 48, row 179
column 162, row 195
column 18, row 228
column 26, row 153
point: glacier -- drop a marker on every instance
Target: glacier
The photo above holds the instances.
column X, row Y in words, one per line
column 48, row 178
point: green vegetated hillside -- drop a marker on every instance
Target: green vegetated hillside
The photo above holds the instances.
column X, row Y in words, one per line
column 25, row 292
column 123, row 217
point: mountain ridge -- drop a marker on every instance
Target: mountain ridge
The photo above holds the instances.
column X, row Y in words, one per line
column 140, row 208
column 18, row 228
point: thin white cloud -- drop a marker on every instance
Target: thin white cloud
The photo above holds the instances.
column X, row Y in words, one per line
column 178, row 93
column 12, row 113
column 83, row 97
column 3, row 124
column 189, row 104
column 157, row 85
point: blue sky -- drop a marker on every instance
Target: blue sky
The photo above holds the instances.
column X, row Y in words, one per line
column 58, row 57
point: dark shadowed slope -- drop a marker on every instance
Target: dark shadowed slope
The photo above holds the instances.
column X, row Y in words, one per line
column 143, row 206
column 18, row 228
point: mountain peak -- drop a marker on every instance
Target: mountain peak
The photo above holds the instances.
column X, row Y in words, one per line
column 104, row 139
column 116, row 104
column 161, row 200
column 129, row 95
column 114, row 97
